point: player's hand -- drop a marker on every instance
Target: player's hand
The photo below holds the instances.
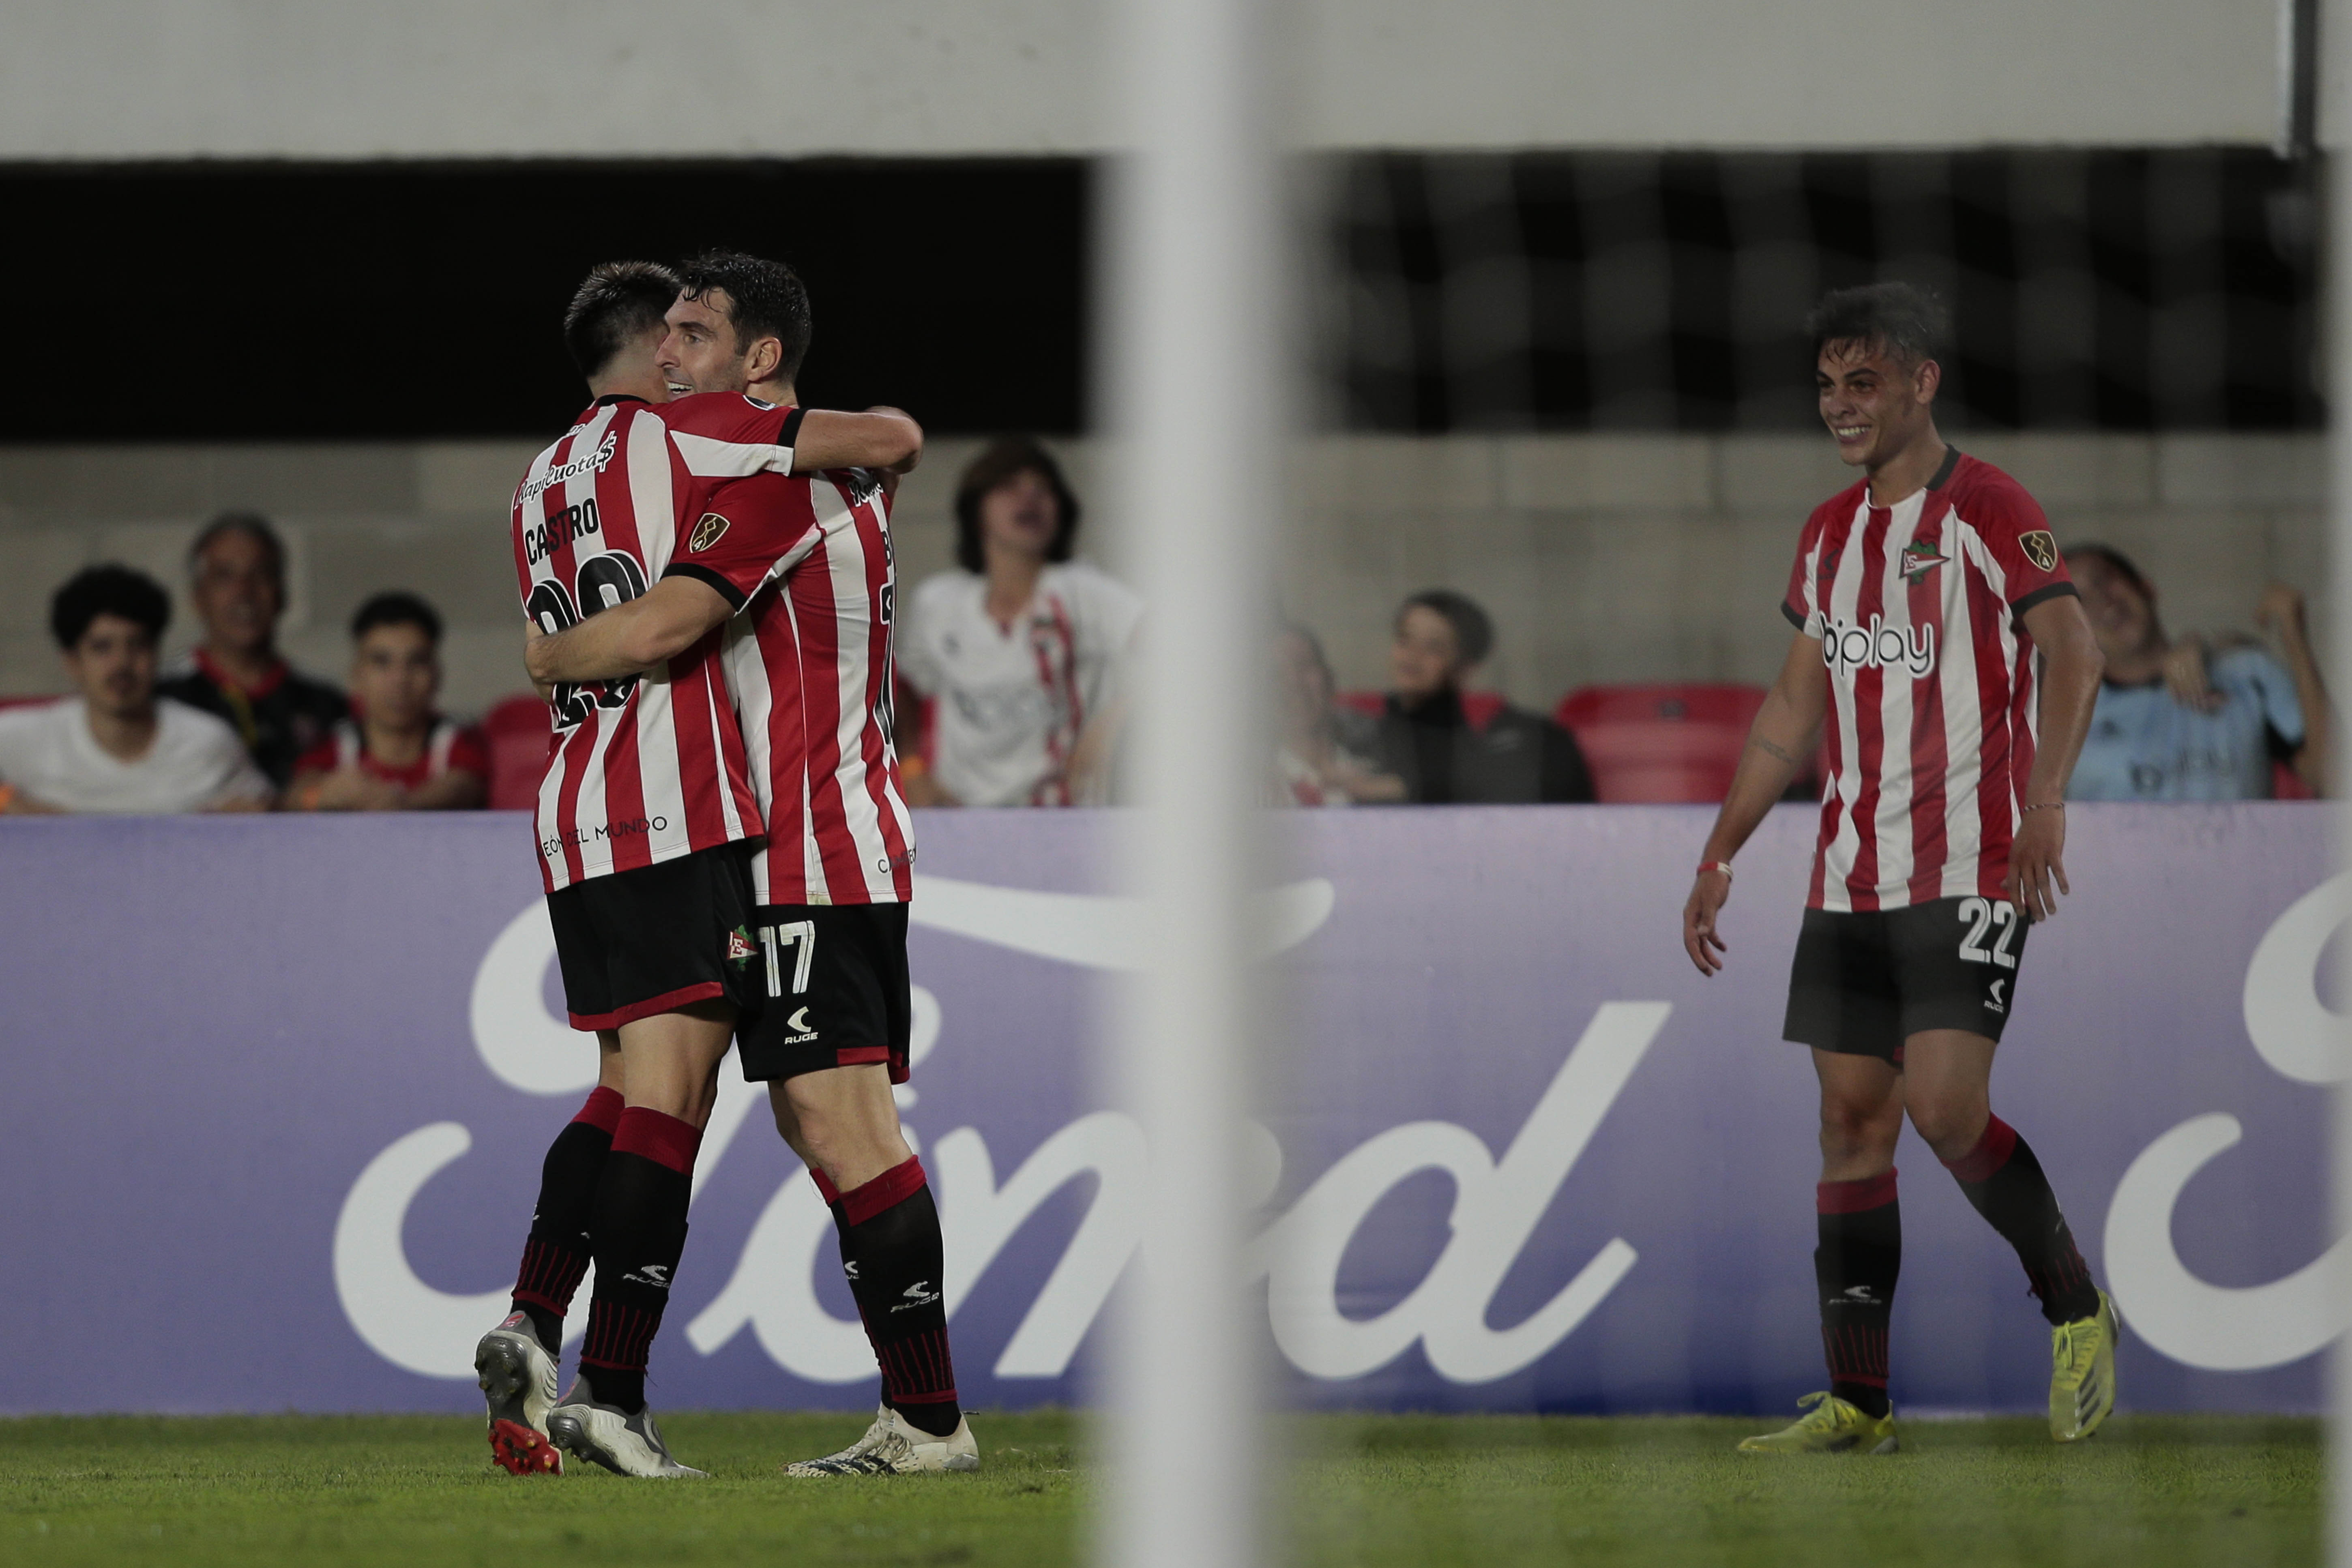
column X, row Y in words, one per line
column 2187, row 678
column 2036, row 860
column 1705, row 902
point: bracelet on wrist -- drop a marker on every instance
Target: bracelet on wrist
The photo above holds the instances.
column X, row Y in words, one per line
column 2048, row 806
column 1722, row 866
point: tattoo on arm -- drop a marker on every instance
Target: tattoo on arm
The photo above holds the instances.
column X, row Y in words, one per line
column 1761, row 744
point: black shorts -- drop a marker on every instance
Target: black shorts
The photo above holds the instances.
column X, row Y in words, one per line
column 635, row 943
column 1863, row 984
column 835, row 990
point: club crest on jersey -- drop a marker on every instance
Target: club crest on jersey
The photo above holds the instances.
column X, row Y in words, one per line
column 1847, row 648
column 706, row 533
column 2039, row 548
column 739, row 950
column 1920, row 557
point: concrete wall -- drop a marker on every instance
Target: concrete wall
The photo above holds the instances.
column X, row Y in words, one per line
column 176, row 79
column 1602, row 557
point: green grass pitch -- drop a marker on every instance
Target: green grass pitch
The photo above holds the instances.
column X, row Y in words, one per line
column 2149, row 1492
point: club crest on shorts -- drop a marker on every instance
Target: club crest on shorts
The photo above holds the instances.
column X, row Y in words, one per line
column 739, row 950
column 706, row 532
column 2039, row 548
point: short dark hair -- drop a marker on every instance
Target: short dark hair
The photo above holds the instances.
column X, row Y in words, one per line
column 617, row 301
column 1473, row 630
column 765, row 300
column 107, row 589
column 1906, row 320
column 2116, row 560
column 1002, row 459
column 397, row 608
column 253, row 526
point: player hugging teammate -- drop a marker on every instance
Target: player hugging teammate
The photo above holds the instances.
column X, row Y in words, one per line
column 708, row 588
column 1921, row 597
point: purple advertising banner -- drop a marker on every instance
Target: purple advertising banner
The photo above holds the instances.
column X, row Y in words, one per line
column 278, row 1091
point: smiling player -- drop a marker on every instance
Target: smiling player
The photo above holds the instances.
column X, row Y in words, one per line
column 798, row 569
column 1920, row 597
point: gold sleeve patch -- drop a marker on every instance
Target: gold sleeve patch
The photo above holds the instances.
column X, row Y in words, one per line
column 707, row 533
column 2039, row 546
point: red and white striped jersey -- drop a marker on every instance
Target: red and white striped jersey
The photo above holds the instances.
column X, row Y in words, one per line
column 449, row 745
column 648, row 768
column 809, row 666
column 1932, row 723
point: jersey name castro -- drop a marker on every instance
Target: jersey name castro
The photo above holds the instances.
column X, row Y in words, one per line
column 1931, row 725
column 647, row 768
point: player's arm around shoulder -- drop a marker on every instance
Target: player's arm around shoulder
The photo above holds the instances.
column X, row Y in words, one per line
column 1786, row 731
column 887, row 440
column 627, row 639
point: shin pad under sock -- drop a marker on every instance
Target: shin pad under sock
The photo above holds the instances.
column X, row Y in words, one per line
column 640, row 1231
column 895, row 1260
column 2005, row 1183
column 1860, row 1225
column 556, row 1256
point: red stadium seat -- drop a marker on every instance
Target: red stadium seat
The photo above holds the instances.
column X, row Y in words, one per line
column 518, row 731
column 1648, row 744
column 2287, row 784
column 1478, row 707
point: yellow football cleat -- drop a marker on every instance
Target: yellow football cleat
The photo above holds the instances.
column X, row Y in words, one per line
column 1830, row 1426
column 2082, row 1374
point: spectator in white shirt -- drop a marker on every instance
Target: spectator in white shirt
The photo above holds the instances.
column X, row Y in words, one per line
column 117, row 747
column 1018, row 652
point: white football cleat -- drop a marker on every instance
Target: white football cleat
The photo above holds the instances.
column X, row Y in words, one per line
column 623, row 1444
column 518, row 1382
column 891, row 1446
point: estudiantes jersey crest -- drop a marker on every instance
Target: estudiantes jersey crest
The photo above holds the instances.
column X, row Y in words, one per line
column 1932, row 724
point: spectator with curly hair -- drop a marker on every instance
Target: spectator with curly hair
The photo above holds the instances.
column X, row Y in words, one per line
column 117, row 746
column 1019, row 650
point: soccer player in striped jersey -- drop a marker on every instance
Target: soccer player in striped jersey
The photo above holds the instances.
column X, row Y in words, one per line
column 1921, row 596
column 646, row 819
column 797, row 569
column 645, row 824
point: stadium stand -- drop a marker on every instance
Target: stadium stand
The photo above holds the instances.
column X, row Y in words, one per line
column 519, row 734
column 1659, row 745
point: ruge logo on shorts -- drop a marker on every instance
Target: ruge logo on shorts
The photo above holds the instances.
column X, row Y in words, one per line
column 1847, row 648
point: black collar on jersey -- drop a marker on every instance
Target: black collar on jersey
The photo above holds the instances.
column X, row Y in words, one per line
column 612, row 397
column 1944, row 471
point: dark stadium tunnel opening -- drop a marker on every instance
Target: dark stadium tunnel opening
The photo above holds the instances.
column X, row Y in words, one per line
column 401, row 300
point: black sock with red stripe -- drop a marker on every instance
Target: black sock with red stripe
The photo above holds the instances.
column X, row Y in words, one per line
column 2006, row 1184
column 1860, row 1253
column 640, row 1231
column 556, row 1256
column 893, row 1255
